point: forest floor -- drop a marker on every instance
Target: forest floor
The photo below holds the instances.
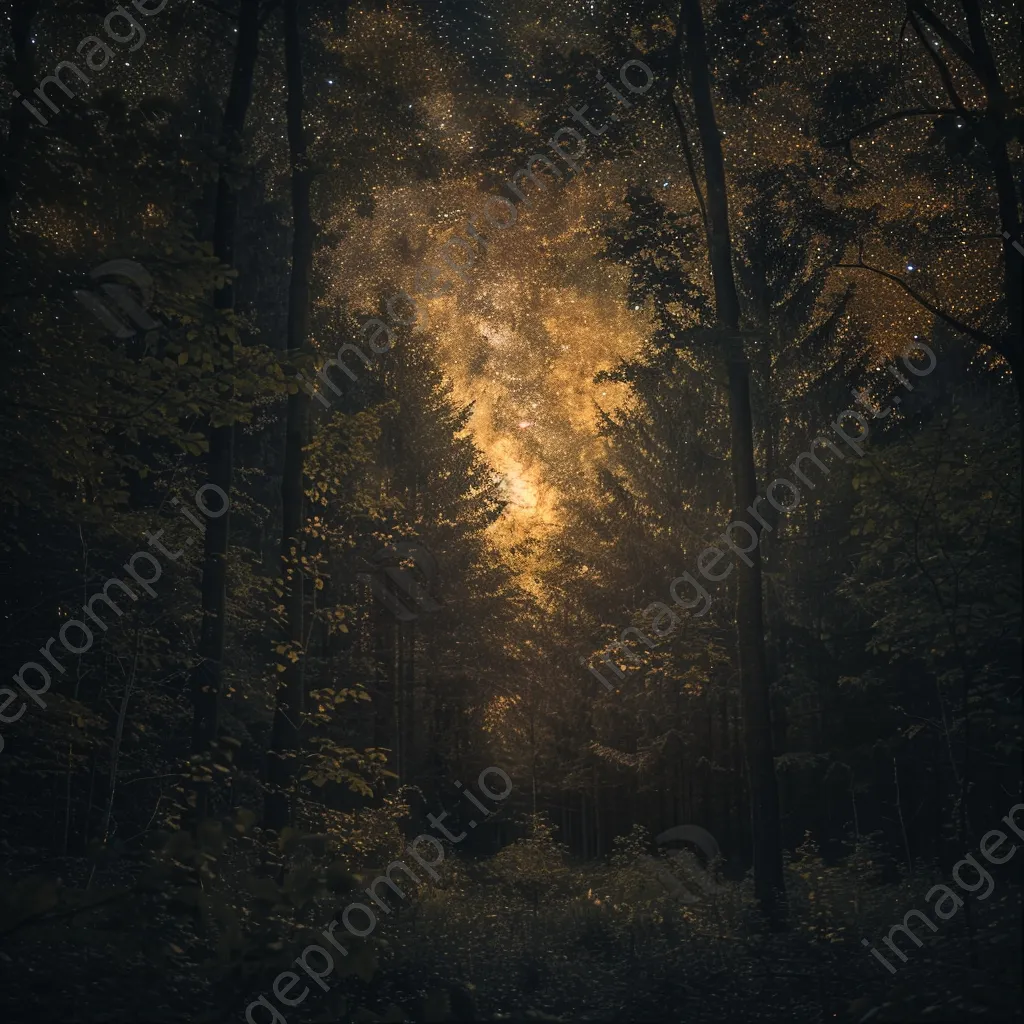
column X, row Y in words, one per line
column 526, row 935
column 596, row 944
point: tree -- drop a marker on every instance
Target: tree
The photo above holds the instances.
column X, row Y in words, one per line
column 208, row 675
column 290, row 693
column 749, row 611
column 976, row 128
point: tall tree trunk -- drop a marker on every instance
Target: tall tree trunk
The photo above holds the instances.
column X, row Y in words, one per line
column 769, row 885
column 398, row 675
column 997, row 120
column 415, row 744
column 291, row 692
column 999, row 112
column 208, row 676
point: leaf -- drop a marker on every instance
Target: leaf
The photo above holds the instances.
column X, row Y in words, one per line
column 182, row 358
column 243, row 820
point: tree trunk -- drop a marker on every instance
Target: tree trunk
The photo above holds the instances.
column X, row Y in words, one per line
column 208, row 676
column 115, row 749
column 769, row 885
column 999, row 112
column 398, row 676
column 996, row 119
column 290, row 693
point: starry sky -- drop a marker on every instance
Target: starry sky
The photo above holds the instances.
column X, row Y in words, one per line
column 443, row 99
column 541, row 314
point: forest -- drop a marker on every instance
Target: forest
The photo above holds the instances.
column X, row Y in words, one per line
column 511, row 511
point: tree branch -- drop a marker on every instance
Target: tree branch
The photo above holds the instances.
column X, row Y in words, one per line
column 985, row 63
column 950, row 38
column 878, row 122
column 940, row 65
column 978, row 335
column 47, row 917
column 691, row 166
column 216, row 7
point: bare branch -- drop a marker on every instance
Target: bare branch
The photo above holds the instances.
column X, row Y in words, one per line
column 978, row 335
column 941, row 66
column 985, row 62
column 951, row 39
column 691, row 166
column 216, row 7
column 887, row 118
